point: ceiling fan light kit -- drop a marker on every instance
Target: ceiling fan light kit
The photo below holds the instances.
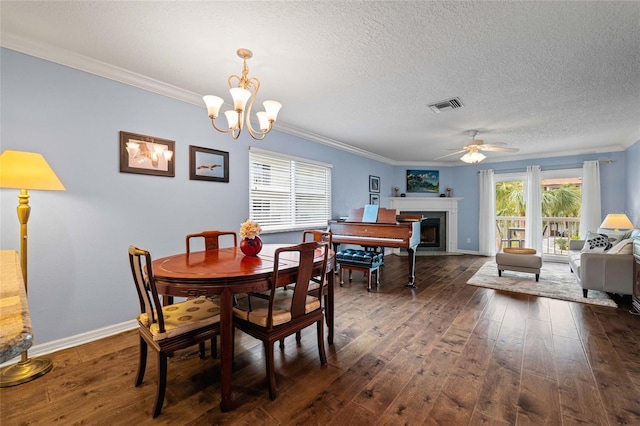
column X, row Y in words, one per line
column 473, row 157
column 474, row 146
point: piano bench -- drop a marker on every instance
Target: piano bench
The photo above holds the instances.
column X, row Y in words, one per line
column 360, row 260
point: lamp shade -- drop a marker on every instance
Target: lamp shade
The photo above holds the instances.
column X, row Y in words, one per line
column 616, row 221
column 27, row 170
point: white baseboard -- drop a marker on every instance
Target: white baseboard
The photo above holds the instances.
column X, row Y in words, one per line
column 474, row 252
column 77, row 340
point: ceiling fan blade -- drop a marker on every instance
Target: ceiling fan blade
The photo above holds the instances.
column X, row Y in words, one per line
column 449, row 155
column 494, row 148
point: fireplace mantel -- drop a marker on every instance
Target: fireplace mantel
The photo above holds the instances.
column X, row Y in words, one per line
column 449, row 205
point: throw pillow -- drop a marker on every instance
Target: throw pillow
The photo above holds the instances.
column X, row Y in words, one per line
column 614, row 236
column 623, row 247
column 596, row 243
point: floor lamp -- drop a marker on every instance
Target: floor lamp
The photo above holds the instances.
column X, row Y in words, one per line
column 25, row 171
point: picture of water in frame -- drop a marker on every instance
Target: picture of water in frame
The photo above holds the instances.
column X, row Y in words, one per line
column 423, row 181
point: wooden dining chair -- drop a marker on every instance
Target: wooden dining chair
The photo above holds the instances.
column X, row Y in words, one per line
column 167, row 328
column 317, row 282
column 211, row 242
column 211, row 239
column 285, row 313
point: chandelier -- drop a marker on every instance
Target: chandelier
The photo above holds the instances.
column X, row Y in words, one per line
column 473, row 156
column 243, row 96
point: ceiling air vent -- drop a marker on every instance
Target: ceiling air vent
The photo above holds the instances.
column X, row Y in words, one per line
column 446, row 105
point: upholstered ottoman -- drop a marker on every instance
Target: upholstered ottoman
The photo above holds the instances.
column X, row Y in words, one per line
column 360, row 260
column 521, row 260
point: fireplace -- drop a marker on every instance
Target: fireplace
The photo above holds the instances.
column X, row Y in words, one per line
column 433, row 230
column 444, row 209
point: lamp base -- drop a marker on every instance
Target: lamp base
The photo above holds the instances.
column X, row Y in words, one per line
column 24, row 371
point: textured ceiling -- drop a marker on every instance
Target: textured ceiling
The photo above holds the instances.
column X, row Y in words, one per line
column 549, row 78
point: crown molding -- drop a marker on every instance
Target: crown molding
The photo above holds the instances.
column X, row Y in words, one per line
column 294, row 131
column 599, row 150
column 84, row 63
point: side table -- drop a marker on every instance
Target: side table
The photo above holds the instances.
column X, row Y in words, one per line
column 16, row 336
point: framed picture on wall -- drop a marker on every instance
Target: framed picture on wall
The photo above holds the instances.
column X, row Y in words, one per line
column 147, row 155
column 374, row 199
column 423, row 181
column 208, row 164
column 374, row 184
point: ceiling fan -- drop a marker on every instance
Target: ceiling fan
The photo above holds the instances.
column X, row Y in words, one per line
column 474, row 146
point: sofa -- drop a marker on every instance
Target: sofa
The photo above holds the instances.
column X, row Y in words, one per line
column 606, row 264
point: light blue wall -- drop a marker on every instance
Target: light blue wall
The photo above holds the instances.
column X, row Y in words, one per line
column 78, row 269
column 464, row 181
column 632, row 161
column 78, row 273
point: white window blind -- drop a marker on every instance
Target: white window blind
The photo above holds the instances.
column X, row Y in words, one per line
column 288, row 193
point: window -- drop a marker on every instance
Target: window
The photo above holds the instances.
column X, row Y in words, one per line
column 561, row 205
column 288, row 193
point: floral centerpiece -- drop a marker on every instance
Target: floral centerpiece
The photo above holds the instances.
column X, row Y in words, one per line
column 250, row 229
column 250, row 244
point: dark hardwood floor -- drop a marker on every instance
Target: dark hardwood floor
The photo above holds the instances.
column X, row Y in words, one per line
column 444, row 353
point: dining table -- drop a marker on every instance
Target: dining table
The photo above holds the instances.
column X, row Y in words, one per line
column 226, row 272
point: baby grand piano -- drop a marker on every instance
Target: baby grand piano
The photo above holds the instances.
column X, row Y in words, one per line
column 389, row 230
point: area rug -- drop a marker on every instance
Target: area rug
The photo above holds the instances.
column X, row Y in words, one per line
column 556, row 282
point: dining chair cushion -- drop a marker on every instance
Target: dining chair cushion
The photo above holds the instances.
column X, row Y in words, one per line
column 313, row 285
column 281, row 308
column 183, row 317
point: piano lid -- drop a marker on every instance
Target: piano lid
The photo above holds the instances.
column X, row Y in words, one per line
column 384, row 216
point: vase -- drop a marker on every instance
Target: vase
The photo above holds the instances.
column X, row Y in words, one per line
column 251, row 246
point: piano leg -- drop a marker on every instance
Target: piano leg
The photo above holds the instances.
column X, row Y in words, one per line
column 411, row 258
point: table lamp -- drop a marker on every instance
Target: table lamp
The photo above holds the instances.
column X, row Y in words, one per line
column 616, row 221
column 25, row 171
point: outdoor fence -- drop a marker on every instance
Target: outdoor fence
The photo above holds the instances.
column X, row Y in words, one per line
column 556, row 233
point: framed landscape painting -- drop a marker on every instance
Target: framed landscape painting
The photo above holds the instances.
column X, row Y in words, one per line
column 423, row 181
column 208, row 164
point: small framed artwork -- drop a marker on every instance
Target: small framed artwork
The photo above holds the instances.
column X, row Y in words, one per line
column 423, row 181
column 374, row 184
column 208, row 164
column 374, row 199
column 147, row 155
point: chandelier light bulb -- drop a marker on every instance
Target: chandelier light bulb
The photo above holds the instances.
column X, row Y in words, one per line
column 232, row 118
column 271, row 109
column 264, row 121
column 240, row 97
column 213, row 105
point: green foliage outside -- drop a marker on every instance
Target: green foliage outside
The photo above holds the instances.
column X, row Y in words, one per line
column 562, row 243
column 563, row 201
